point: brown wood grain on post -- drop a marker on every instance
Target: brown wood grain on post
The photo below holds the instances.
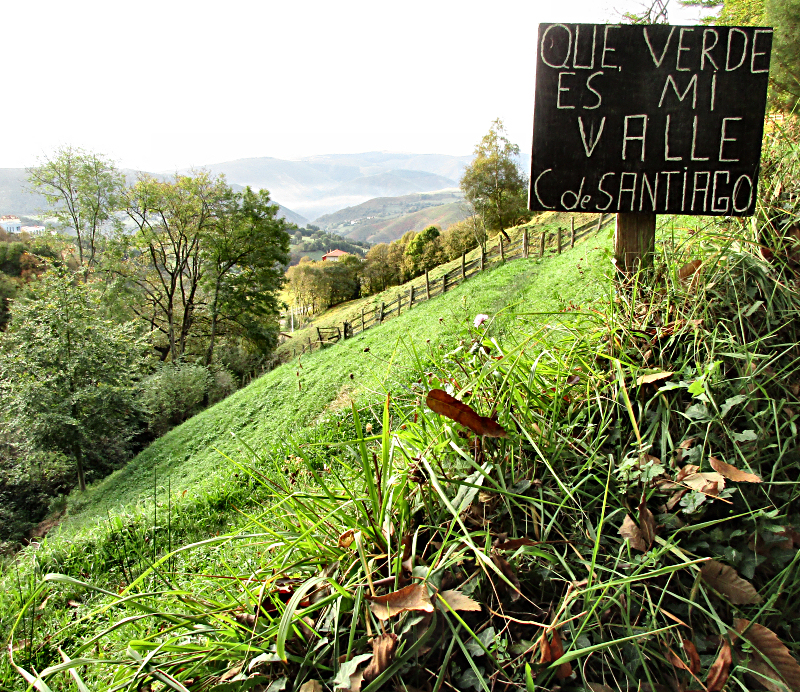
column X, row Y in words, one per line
column 572, row 233
column 427, row 286
column 541, row 245
column 634, row 241
column 463, row 265
column 362, row 320
column 444, row 282
column 558, row 240
column 525, row 243
column 380, row 313
column 482, row 260
column 502, row 250
column 411, row 297
column 599, row 221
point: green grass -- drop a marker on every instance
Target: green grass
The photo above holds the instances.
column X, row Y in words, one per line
column 588, row 452
column 284, row 401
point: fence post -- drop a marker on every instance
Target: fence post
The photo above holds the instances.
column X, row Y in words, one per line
column 444, row 283
column 362, row 319
column 599, row 222
column 572, row 236
column 411, row 297
column 399, row 302
column 380, row 313
column 427, row 286
column 463, row 266
column 502, row 250
column 525, row 243
column 559, row 240
column 481, row 266
column 541, row 245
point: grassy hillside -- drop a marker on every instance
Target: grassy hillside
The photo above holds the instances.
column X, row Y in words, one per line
column 623, row 464
column 292, row 397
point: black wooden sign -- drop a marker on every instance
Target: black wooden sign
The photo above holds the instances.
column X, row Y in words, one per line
column 655, row 118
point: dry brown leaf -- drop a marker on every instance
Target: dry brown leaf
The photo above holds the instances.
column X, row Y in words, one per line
column 514, row 543
column 688, row 442
column 504, row 566
column 687, row 470
column 442, row 403
column 545, row 655
column 720, row 669
column 557, row 651
column 459, row 601
column 676, row 498
column 347, row 538
column 411, row 597
column 694, row 657
column 311, row 686
column 655, row 377
column 732, row 473
column 766, row 645
column 676, row 660
column 633, row 533
column 688, row 269
column 707, row 482
column 647, row 525
column 383, row 650
column 726, row 580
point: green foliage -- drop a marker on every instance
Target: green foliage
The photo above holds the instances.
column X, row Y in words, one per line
column 173, row 393
column 83, row 191
column 493, row 183
column 67, row 374
column 424, row 252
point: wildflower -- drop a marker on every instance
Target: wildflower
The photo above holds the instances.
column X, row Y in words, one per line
column 369, row 428
column 480, row 319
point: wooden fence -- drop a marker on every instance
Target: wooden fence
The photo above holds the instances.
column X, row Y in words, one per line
column 424, row 288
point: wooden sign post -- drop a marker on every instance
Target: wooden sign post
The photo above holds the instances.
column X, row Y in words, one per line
column 640, row 120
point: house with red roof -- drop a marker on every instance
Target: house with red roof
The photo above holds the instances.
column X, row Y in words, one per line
column 334, row 255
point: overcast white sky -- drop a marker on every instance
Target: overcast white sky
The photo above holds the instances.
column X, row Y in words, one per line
column 162, row 84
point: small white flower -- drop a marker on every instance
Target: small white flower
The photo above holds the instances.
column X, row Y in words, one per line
column 480, row 319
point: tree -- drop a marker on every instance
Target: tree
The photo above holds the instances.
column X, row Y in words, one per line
column 493, row 183
column 424, row 251
column 784, row 16
column 83, row 191
column 244, row 253
column 163, row 259
column 68, row 374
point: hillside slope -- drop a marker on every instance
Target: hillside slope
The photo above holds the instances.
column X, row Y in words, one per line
column 296, row 395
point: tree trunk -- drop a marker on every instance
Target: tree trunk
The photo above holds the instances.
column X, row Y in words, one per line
column 76, row 450
column 634, row 241
column 210, row 352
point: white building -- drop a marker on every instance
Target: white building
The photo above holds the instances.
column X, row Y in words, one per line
column 34, row 231
column 10, row 224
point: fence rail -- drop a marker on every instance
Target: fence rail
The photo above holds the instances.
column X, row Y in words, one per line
column 531, row 244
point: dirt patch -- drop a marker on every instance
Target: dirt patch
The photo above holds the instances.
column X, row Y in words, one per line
column 46, row 526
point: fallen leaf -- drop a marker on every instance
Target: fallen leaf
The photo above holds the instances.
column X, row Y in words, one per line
column 766, row 645
column 687, row 470
column 694, row 657
column 676, row 498
column 655, row 377
column 647, row 525
column 675, row 660
column 504, row 566
column 688, row 442
column 573, row 379
column 633, row 533
column 514, row 543
column 707, row 482
column 689, row 269
column 348, row 677
column 383, row 650
column 411, row 597
column 557, row 651
column 459, row 601
column 442, row 403
column 720, row 669
column 726, row 580
column 311, row 686
column 732, row 473
column 545, row 655
column 73, row 604
column 347, row 538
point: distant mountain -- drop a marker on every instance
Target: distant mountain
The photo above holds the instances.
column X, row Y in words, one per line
column 14, row 198
column 385, row 219
column 318, row 185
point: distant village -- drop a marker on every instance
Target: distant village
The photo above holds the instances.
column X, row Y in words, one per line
column 13, row 224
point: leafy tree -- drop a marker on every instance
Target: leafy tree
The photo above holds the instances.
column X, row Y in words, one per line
column 378, row 273
column 68, row 374
column 784, row 15
column 458, row 239
column 163, row 260
column 83, row 191
column 244, row 254
column 424, row 250
column 493, row 183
